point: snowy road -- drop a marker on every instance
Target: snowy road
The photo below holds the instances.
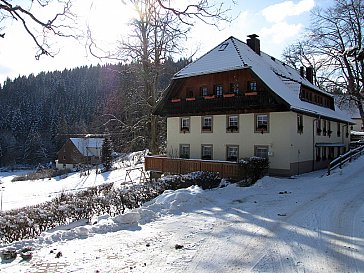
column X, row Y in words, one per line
column 312, row 223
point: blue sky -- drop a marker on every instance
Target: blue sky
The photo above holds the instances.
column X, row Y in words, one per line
column 278, row 24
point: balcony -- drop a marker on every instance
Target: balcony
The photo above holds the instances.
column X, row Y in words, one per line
column 203, row 105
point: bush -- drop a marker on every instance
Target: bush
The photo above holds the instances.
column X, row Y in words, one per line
column 254, row 168
column 30, row 222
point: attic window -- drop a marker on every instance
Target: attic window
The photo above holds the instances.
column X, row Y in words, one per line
column 223, row 46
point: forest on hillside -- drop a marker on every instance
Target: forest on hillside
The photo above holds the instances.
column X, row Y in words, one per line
column 38, row 113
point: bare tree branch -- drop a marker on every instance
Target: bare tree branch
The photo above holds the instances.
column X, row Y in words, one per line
column 60, row 24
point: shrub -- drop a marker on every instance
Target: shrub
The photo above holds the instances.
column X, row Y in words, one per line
column 30, row 222
column 254, row 168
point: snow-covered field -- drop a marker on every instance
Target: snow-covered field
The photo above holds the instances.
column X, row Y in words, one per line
column 312, row 223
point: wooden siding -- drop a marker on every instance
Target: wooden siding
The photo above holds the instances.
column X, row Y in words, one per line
column 254, row 103
column 182, row 166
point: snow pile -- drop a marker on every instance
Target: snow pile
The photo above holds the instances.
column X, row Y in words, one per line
column 173, row 202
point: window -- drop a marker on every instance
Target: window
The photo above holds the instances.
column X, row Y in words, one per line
column 234, row 88
column 184, row 151
column 338, row 131
column 261, row 123
column 252, row 86
column 189, row 93
column 347, row 130
column 206, row 124
column 318, row 127
column 318, row 153
column 204, row 91
column 324, row 129
column 206, row 152
column 218, row 90
column 261, row 151
column 185, row 125
column 299, row 123
column 232, row 124
column 232, row 153
column 329, row 132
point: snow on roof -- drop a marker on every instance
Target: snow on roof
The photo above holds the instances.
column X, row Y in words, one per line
column 88, row 146
column 282, row 79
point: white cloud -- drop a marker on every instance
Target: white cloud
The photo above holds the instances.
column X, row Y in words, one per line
column 279, row 12
column 280, row 32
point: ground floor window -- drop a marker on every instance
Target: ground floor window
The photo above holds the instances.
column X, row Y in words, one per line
column 184, row 151
column 206, row 152
column 261, row 151
column 232, row 152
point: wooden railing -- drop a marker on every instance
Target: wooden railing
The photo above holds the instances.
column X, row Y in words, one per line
column 201, row 104
column 181, row 166
column 342, row 159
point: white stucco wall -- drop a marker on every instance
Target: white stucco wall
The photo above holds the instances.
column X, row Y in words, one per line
column 285, row 144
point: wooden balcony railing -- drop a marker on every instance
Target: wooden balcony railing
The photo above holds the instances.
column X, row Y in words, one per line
column 181, row 166
column 259, row 100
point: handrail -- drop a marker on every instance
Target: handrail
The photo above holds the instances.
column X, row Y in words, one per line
column 348, row 156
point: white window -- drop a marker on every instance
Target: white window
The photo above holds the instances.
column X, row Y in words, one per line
column 233, row 123
column 206, row 152
column 261, row 151
column 261, row 123
column 206, row 124
column 184, row 151
column 232, row 152
column 219, row 90
column 185, row 125
column 204, row 91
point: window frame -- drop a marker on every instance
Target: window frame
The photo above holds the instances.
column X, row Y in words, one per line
column 228, row 147
column 182, row 128
column 318, row 127
column 232, row 128
column 217, row 89
column 181, row 149
column 234, row 88
column 252, row 86
column 204, row 127
column 203, row 89
column 265, row 147
column 257, row 128
column 210, row 146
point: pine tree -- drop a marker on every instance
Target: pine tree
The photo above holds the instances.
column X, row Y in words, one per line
column 106, row 152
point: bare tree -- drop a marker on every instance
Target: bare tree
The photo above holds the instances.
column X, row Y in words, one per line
column 30, row 14
column 334, row 45
column 155, row 35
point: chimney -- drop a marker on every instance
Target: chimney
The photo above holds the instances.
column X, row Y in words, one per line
column 309, row 74
column 254, row 43
column 302, row 71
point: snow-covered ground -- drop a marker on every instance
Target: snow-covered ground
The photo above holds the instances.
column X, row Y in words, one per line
column 312, row 223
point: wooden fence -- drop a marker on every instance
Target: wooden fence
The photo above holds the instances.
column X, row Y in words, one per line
column 181, row 166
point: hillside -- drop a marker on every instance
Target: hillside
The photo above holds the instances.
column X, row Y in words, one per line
column 312, row 223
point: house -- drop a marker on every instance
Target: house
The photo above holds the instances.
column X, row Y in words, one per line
column 236, row 101
column 79, row 151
